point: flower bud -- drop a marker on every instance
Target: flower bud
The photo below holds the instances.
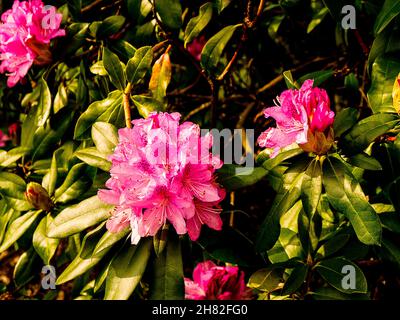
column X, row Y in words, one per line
column 318, row 142
column 38, row 196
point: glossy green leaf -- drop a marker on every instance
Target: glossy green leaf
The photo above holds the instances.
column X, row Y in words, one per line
column 266, row 279
column 288, row 195
column 139, row 64
column 367, row 130
column 109, row 26
column 94, row 158
column 108, row 110
column 170, row 13
column 44, row 106
column 12, row 187
column 78, row 217
column 384, row 73
column 389, row 11
column 197, row 24
column 235, row 177
column 23, row 270
column 365, row 161
column 346, row 196
column 332, row 246
column 114, row 69
column 332, row 271
column 168, row 272
column 95, row 245
column 295, row 280
column 146, row 105
column 77, row 182
column 345, row 119
column 126, row 270
column 44, row 246
column 311, row 187
column 105, row 137
column 213, row 49
column 17, row 228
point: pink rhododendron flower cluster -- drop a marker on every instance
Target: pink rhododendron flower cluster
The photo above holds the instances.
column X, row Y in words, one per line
column 25, row 33
column 211, row 282
column 304, row 116
column 163, row 171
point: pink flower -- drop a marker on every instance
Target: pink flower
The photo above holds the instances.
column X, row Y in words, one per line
column 211, row 282
column 3, row 139
column 163, row 171
column 25, row 33
column 196, row 47
column 302, row 116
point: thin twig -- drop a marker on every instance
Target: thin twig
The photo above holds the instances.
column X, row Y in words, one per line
column 127, row 107
column 91, row 6
column 197, row 110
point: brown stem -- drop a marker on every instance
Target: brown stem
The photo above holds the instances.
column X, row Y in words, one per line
column 91, row 6
column 127, row 107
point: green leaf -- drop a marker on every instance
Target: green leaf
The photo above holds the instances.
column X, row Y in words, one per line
column 389, row 11
column 109, row 26
column 139, row 10
column 47, row 137
column 346, row 196
column 168, row 272
column 139, row 64
column 311, row 187
column 329, row 293
column 290, row 82
column 344, row 120
column 95, row 246
column 76, row 218
column 317, row 19
column 391, row 251
column 235, row 177
column 266, row 279
column 331, row 271
column 335, row 8
column 319, row 77
column 126, row 270
column 198, row 23
column 44, row 106
column 12, row 156
column 170, row 12
column 295, row 280
column 287, row 196
column 160, row 77
column 386, row 43
column 12, row 187
column 365, row 161
column 105, row 137
column 17, row 228
column 213, row 49
column 44, row 246
column 221, row 4
column 114, row 69
column 108, row 110
column 23, row 269
column 332, row 246
column 77, row 182
column 384, row 73
column 146, row 105
column 367, row 130
column 94, row 158
column 98, row 68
